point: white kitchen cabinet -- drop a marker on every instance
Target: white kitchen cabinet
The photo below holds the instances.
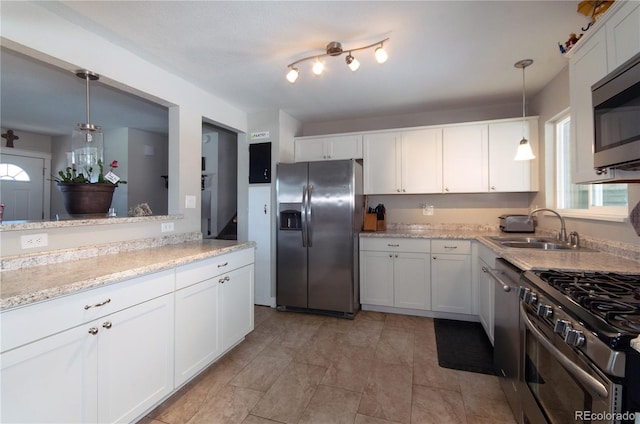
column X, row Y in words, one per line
column 395, row 272
column 506, row 174
column 259, row 230
column 214, row 310
column 407, row 162
column 486, row 289
column 328, row 148
column 615, row 40
column 465, row 159
column 451, row 284
column 91, row 371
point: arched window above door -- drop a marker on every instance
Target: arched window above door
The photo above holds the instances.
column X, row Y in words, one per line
column 11, row 172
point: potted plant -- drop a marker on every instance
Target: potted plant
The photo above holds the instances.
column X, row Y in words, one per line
column 83, row 198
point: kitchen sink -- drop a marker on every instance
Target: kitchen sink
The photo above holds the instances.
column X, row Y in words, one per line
column 541, row 243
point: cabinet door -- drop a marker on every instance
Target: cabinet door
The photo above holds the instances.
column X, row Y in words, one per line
column 422, row 161
column 135, row 359
column 412, row 277
column 310, row 150
column 623, row 34
column 587, row 66
column 196, row 329
column 345, row 147
column 485, row 298
column 376, row 278
column 506, row 174
column 53, row 380
column 465, row 159
column 236, row 305
column 451, row 283
column 381, row 171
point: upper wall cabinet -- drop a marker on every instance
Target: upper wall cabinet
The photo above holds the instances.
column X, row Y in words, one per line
column 506, row 174
column 465, row 152
column 328, row 148
column 403, row 162
column 608, row 46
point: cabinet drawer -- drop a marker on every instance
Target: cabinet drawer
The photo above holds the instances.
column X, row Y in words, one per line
column 33, row 322
column 398, row 244
column 199, row 271
column 460, row 247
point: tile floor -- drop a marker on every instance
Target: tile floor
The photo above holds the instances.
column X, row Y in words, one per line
column 299, row 368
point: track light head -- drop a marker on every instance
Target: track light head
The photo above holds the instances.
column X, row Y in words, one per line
column 352, row 62
column 292, row 75
column 318, row 67
column 381, row 54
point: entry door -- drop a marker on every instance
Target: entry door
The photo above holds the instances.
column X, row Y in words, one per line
column 22, row 187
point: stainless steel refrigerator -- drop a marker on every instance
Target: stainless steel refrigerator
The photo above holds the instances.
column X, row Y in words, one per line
column 320, row 210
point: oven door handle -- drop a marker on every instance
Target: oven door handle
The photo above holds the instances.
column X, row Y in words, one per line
column 593, row 385
column 494, row 274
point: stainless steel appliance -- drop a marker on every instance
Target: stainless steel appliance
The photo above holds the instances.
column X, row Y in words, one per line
column 506, row 338
column 577, row 364
column 320, row 210
column 616, row 108
column 517, row 224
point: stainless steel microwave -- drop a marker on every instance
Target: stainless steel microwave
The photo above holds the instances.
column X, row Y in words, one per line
column 616, row 116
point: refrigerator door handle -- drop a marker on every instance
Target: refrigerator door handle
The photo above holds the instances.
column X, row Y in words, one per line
column 309, row 217
column 303, row 216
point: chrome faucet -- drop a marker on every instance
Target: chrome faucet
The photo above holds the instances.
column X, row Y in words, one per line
column 563, row 229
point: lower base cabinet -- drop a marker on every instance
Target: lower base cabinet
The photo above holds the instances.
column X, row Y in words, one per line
column 451, row 284
column 108, row 355
column 109, row 370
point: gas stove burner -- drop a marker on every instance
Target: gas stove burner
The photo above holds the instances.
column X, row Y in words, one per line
column 625, row 321
column 604, row 306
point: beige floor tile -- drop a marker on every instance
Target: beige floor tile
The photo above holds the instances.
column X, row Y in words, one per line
column 436, row 406
column 261, row 373
column 319, row 349
column 289, row 395
column 230, row 405
column 371, row 316
column 474, row 419
column 262, row 314
column 427, row 372
column 350, row 368
column 484, row 385
column 365, row 419
column 487, row 406
column 408, row 322
column 387, row 394
column 395, row 346
column 331, row 405
column 253, row 419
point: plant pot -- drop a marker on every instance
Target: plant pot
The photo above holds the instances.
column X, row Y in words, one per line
column 84, row 200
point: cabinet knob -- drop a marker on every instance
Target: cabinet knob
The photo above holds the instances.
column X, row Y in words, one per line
column 434, row 258
column 446, row 189
column 390, row 255
column 107, row 324
column 223, row 280
column 493, row 187
column 403, row 190
column 93, row 331
column 396, row 255
column 398, row 190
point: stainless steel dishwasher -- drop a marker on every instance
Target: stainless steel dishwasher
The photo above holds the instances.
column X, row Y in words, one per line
column 506, row 357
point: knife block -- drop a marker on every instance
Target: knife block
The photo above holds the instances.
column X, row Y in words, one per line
column 381, row 224
column 370, row 222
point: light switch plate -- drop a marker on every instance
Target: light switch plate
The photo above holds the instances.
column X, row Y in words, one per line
column 31, row 241
column 190, row 202
column 428, row 210
column 166, row 227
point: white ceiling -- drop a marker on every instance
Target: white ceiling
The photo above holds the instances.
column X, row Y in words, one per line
column 442, row 55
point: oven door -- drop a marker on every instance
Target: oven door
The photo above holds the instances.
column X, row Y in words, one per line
column 559, row 385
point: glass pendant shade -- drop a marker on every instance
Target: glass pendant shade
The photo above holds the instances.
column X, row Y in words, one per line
column 318, row 67
column 381, row 55
column 524, row 151
column 87, row 146
column 352, row 63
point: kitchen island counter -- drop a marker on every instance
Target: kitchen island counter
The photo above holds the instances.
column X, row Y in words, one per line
column 605, row 258
column 24, row 286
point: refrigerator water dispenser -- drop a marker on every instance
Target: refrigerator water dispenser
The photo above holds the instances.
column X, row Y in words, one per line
column 290, row 220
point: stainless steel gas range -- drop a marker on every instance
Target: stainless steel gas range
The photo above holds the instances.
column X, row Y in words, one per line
column 576, row 363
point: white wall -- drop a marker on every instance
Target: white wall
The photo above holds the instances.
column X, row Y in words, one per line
column 27, row 140
column 32, row 29
column 148, row 160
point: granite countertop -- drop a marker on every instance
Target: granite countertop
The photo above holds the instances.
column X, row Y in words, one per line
column 527, row 259
column 32, row 284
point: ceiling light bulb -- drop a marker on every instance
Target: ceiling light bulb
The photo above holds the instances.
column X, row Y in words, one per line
column 381, row 55
column 292, row 75
column 318, row 67
column 524, row 151
column 352, row 63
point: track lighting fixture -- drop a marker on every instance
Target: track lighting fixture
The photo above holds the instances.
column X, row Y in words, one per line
column 524, row 151
column 334, row 48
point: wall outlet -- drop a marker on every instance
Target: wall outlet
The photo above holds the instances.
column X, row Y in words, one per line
column 427, row 210
column 34, row 240
column 190, row 202
column 166, row 227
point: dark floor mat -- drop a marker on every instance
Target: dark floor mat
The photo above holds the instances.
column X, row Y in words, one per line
column 463, row 346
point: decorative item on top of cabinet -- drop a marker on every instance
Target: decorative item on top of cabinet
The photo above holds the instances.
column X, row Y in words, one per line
column 337, row 147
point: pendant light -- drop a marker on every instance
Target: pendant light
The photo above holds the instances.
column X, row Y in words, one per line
column 524, row 148
column 87, row 138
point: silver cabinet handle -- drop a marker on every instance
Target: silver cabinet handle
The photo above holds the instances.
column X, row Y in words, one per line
column 223, row 265
column 107, row 324
column 223, row 280
column 450, row 247
column 97, row 305
column 393, row 245
column 93, row 331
